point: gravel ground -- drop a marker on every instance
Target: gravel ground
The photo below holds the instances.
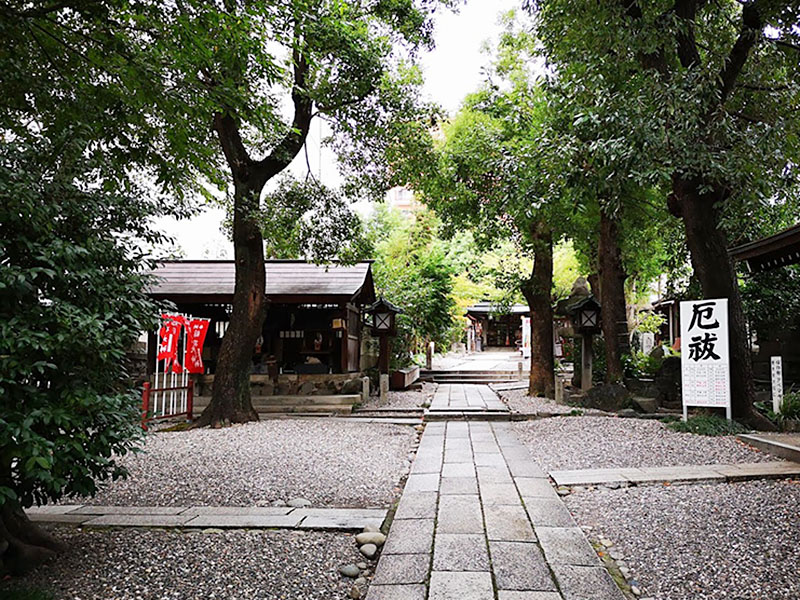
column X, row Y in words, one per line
column 519, row 401
column 328, row 462
column 145, row 564
column 410, row 399
column 702, row 542
column 604, row 442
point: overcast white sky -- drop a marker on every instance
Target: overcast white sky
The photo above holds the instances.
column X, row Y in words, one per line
column 452, row 70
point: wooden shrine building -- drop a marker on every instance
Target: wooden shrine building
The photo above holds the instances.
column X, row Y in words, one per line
column 313, row 322
column 491, row 326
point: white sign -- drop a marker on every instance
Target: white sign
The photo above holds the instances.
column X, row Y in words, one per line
column 648, row 342
column 705, row 365
column 526, row 337
column 777, row 383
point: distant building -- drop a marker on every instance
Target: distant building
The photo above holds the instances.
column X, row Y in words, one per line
column 404, row 200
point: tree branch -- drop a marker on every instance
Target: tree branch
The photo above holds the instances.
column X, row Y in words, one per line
column 293, row 141
column 686, row 10
column 748, row 35
column 230, row 139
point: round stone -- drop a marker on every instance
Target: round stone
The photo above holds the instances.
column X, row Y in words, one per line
column 370, row 537
column 351, row 571
column 368, row 550
column 606, row 542
column 362, row 565
column 355, row 592
column 299, row 502
column 371, row 527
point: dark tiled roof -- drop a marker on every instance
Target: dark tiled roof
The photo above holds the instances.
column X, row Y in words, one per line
column 284, row 278
column 771, row 252
column 485, row 308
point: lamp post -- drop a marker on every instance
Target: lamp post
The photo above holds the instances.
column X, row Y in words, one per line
column 585, row 317
column 382, row 321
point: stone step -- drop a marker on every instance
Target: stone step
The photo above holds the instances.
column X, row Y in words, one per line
column 468, row 415
column 307, row 410
column 330, row 400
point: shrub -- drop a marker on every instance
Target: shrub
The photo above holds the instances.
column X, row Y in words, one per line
column 707, row 425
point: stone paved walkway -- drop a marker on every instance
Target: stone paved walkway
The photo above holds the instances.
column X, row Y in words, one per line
column 462, row 397
column 218, row 517
column 478, row 520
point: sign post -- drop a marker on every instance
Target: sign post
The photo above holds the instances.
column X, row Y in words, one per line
column 705, row 363
column 776, row 365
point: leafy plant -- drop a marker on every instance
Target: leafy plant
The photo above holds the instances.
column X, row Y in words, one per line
column 711, row 425
column 16, row 593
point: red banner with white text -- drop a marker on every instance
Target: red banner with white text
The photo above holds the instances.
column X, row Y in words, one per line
column 168, row 336
column 196, row 330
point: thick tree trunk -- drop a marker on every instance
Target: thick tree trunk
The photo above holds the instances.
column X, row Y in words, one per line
column 23, row 545
column 614, row 319
column 709, row 254
column 230, row 401
column 538, row 293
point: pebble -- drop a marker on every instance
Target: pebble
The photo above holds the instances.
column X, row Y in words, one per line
column 350, row 571
column 241, row 564
column 594, row 442
column 368, row 550
column 362, row 565
column 563, row 491
column 370, row 537
column 355, row 592
column 326, row 461
column 279, row 503
column 636, row 591
column 606, row 542
column 747, row 531
column 615, row 554
column 370, row 527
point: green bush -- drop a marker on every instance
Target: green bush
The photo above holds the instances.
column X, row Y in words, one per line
column 25, row 594
column 707, row 425
column 790, row 409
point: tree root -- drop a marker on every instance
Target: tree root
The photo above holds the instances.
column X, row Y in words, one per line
column 23, row 545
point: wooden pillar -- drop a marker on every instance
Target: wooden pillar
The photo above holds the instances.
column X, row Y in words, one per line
column 586, row 361
column 383, row 359
column 345, row 336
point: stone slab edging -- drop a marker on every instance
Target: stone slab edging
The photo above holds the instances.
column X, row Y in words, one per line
column 207, row 517
column 680, row 474
column 775, row 446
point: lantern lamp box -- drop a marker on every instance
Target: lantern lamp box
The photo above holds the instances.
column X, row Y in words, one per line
column 705, row 361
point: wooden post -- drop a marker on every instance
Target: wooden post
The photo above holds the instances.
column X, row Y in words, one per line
column 190, row 400
column 145, row 403
column 586, row 362
column 383, row 359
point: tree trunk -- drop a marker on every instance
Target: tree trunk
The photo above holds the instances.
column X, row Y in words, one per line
column 23, row 545
column 614, row 319
column 538, row 292
column 230, row 400
column 230, row 397
column 714, row 269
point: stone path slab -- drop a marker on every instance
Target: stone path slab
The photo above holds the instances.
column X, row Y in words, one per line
column 486, row 525
column 255, row 517
column 680, row 474
column 466, row 398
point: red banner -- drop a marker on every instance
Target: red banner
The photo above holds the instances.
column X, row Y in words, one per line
column 196, row 330
column 168, row 337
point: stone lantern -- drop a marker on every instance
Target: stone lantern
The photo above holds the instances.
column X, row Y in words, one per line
column 381, row 318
